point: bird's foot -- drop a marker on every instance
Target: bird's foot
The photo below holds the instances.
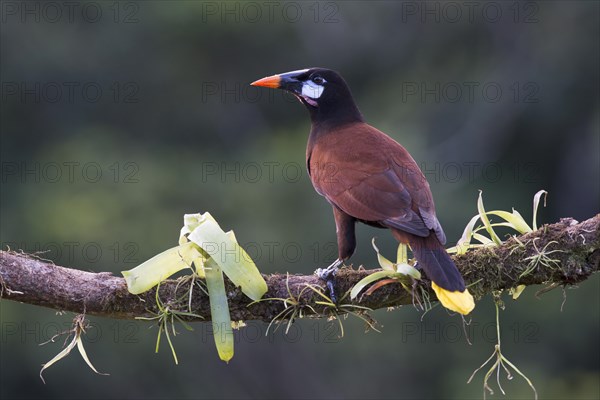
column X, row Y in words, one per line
column 328, row 275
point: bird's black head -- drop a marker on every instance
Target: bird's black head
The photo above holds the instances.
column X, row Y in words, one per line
column 323, row 91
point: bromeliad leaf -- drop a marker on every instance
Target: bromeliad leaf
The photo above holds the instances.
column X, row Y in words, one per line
column 400, row 272
column 402, row 254
column 383, row 262
column 219, row 310
column 486, row 221
column 408, row 270
column 150, row 273
column 212, row 251
column 401, row 267
column 200, row 238
column 516, row 292
column 190, row 222
column 484, row 240
column 536, row 203
column 367, row 280
column 85, row 356
column 514, row 220
column 228, row 254
column 465, row 240
column 77, row 331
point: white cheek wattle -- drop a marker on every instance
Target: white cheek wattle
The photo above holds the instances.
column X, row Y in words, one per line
column 312, row 90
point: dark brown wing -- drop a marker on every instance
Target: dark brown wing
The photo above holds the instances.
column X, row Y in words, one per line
column 371, row 177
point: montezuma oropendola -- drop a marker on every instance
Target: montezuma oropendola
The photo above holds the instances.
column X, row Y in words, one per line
column 367, row 176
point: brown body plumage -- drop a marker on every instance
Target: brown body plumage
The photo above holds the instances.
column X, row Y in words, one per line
column 368, row 177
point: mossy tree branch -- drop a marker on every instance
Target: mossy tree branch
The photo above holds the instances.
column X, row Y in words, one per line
column 27, row 279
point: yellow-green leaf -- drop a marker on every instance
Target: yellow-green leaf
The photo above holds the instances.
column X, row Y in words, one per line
column 190, row 222
column 409, row 270
column 516, row 292
column 375, row 276
column 402, row 254
column 383, row 262
column 85, row 356
column 514, row 220
column 464, row 242
column 484, row 240
column 520, row 217
column 219, row 310
column 229, row 255
column 62, row 354
column 153, row 271
column 77, row 332
column 486, row 221
column 536, row 203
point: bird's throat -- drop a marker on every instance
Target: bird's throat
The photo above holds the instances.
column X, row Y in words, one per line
column 306, row 100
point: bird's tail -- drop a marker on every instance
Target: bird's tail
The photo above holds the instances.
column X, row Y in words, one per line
column 436, row 263
column 447, row 281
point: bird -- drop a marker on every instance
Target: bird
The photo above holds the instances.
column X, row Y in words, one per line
column 369, row 177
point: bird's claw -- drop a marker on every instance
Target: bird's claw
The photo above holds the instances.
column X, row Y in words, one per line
column 328, row 275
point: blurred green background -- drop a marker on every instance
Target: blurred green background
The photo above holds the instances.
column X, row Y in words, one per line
column 119, row 117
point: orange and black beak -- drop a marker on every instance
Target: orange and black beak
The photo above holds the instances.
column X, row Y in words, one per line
column 269, row 82
column 288, row 81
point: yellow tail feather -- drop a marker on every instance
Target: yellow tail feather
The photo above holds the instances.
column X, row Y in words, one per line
column 461, row 302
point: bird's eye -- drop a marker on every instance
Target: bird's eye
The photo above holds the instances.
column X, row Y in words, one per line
column 318, row 80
